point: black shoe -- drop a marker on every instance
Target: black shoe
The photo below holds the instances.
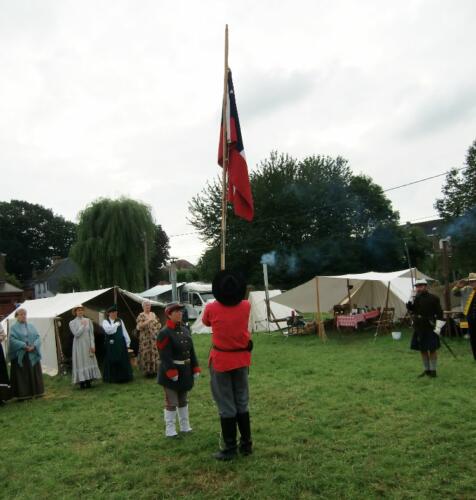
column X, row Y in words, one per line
column 246, row 445
column 82, row 385
column 432, row 373
column 88, row 384
column 228, row 430
column 422, row 374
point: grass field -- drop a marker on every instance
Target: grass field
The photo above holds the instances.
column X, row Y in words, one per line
column 345, row 419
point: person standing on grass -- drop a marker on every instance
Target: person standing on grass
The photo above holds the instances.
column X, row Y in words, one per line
column 425, row 310
column 24, row 353
column 229, row 361
column 177, row 369
column 5, row 390
column 117, row 366
column 470, row 312
column 85, row 365
column 148, row 327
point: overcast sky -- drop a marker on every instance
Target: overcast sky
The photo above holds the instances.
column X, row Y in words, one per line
column 109, row 98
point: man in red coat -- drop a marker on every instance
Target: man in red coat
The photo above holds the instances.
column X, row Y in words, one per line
column 229, row 361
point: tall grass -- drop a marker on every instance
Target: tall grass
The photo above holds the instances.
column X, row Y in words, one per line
column 344, row 419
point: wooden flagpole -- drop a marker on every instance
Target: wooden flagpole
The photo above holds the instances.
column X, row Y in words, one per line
column 225, row 155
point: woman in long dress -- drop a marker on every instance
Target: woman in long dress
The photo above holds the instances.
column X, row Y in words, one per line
column 4, row 380
column 24, row 353
column 85, row 365
column 148, row 327
column 117, row 366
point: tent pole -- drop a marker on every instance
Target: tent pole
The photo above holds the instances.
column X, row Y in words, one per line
column 381, row 312
column 348, row 296
column 59, row 349
column 320, row 325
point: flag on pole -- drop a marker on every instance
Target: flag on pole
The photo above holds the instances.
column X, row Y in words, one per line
column 239, row 189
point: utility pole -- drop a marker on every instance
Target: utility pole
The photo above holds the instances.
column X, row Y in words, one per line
column 444, row 247
column 146, row 260
column 173, row 278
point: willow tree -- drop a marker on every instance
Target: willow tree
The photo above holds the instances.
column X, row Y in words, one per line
column 112, row 236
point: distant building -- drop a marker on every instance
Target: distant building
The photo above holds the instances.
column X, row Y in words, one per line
column 47, row 283
column 435, row 227
column 10, row 295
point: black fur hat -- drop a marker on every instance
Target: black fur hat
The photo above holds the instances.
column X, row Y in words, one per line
column 229, row 287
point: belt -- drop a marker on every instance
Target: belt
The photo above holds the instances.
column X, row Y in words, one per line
column 246, row 349
column 181, row 361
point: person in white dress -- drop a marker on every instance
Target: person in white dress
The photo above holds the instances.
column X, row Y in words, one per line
column 85, row 365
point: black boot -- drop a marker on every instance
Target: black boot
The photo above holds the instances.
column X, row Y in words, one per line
column 88, row 384
column 243, row 420
column 228, row 430
column 422, row 374
column 82, row 385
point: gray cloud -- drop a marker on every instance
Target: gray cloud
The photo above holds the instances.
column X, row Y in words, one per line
column 442, row 111
column 274, row 90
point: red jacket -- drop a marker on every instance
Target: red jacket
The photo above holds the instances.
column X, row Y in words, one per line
column 230, row 335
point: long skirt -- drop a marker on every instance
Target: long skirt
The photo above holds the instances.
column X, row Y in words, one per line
column 5, row 390
column 85, row 365
column 148, row 353
column 117, row 366
column 27, row 380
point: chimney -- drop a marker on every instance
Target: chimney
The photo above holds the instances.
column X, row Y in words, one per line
column 2, row 267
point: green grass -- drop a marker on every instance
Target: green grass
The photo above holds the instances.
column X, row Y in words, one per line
column 344, row 419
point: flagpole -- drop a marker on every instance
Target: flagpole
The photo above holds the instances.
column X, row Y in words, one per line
column 225, row 155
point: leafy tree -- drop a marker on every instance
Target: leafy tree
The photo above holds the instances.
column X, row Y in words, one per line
column 110, row 246
column 459, row 191
column 13, row 280
column 31, row 235
column 458, row 208
column 160, row 254
column 311, row 217
column 68, row 284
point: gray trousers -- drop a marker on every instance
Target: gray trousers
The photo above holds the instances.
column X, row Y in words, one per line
column 174, row 399
column 230, row 391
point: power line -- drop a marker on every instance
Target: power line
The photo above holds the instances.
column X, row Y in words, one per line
column 423, row 180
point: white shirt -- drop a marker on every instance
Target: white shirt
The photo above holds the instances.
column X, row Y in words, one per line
column 111, row 329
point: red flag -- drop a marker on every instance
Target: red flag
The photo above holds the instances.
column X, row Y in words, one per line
column 239, row 189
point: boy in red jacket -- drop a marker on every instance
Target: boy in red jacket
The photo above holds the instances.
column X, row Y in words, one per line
column 229, row 361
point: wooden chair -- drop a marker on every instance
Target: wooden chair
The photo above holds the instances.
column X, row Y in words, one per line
column 385, row 322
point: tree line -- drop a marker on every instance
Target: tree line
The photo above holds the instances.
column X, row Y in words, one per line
column 313, row 216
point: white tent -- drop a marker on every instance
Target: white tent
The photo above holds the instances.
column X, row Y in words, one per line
column 368, row 289
column 51, row 316
column 258, row 316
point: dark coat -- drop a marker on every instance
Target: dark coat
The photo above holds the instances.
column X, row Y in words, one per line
column 175, row 344
column 425, row 310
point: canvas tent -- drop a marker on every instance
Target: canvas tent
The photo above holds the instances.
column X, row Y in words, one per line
column 52, row 315
column 258, row 316
column 323, row 292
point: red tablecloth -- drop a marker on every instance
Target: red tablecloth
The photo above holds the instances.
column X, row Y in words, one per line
column 354, row 319
column 351, row 320
column 372, row 314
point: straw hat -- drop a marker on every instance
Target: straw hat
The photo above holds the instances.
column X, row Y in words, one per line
column 79, row 306
column 471, row 277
